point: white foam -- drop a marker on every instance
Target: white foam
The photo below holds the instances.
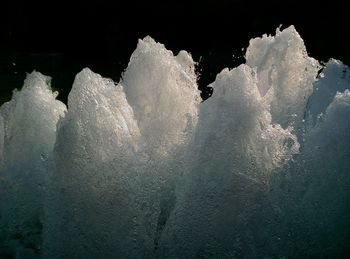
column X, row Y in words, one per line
column 27, row 133
column 285, row 73
column 164, row 95
column 144, row 169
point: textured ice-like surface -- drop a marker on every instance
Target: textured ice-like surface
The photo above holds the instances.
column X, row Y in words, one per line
column 99, row 144
column 285, row 74
column 162, row 90
column 144, row 169
column 2, row 135
column 96, row 145
column 27, row 133
column 334, row 77
column 234, row 151
column 335, row 119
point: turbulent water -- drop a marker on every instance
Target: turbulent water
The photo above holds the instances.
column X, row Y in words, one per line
column 145, row 169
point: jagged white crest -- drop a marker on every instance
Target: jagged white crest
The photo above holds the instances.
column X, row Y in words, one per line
column 285, row 73
column 27, row 136
column 144, row 169
column 163, row 92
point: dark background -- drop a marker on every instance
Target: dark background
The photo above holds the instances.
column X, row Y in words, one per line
column 59, row 38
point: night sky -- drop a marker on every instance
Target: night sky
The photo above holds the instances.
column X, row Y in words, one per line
column 59, row 38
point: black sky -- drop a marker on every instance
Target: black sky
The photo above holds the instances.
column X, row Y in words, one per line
column 59, row 38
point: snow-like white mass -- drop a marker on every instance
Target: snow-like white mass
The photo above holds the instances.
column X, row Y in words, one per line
column 27, row 136
column 144, row 169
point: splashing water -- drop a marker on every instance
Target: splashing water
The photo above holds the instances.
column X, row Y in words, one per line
column 144, row 169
